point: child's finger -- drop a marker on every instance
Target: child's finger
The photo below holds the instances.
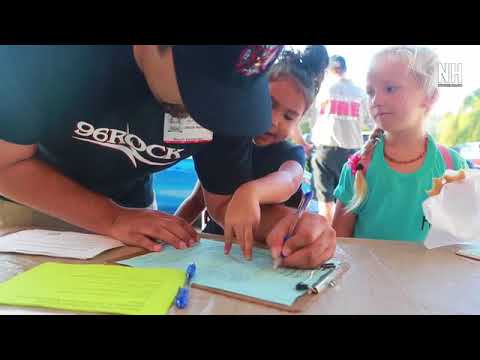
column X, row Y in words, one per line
column 228, row 235
column 239, row 237
column 248, row 242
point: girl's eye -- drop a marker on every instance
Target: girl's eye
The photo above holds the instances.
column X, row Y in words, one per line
column 288, row 117
column 370, row 92
column 274, row 103
column 391, row 89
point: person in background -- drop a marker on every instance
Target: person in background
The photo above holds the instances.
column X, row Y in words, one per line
column 337, row 132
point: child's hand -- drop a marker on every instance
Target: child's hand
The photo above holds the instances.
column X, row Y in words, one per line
column 241, row 220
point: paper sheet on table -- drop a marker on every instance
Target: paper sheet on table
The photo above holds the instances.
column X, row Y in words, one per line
column 232, row 273
column 438, row 238
column 454, row 213
column 57, row 243
column 472, row 253
column 94, row 288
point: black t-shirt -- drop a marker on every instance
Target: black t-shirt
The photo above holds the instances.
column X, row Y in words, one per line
column 266, row 160
column 89, row 109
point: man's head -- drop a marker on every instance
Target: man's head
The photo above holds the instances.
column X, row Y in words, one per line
column 222, row 87
column 156, row 63
column 337, row 65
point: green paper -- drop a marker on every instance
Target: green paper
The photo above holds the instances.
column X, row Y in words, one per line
column 94, row 288
column 233, row 273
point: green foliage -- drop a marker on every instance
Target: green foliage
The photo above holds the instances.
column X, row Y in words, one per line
column 462, row 127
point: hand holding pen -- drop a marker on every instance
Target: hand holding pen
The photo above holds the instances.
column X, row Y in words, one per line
column 306, row 198
column 311, row 239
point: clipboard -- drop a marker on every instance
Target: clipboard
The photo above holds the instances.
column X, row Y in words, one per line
column 321, row 281
column 471, row 253
column 303, row 301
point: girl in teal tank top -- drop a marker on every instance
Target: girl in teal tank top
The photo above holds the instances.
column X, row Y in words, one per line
column 385, row 202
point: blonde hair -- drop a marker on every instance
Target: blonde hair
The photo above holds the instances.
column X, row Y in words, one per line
column 423, row 64
column 360, row 185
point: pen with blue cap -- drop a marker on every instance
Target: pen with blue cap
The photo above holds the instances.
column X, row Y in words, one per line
column 181, row 300
column 306, row 198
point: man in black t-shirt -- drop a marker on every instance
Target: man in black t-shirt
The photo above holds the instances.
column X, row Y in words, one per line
column 84, row 127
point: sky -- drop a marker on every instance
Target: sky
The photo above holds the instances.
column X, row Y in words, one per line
column 358, row 59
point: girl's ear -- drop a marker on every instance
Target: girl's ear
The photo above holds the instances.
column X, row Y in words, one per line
column 430, row 100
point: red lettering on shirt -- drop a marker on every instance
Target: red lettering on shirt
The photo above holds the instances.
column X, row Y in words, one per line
column 341, row 108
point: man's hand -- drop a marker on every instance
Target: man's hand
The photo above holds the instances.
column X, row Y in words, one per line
column 312, row 244
column 142, row 228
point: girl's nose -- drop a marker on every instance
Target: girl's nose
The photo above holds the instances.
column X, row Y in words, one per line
column 376, row 100
column 275, row 116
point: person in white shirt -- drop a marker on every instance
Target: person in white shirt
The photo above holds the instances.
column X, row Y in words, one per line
column 337, row 133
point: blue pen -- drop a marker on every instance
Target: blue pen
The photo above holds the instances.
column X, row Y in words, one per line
column 300, row 210
column 181, row 300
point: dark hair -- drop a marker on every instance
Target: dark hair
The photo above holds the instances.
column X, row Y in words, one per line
column 307, row 68
column 338, row 63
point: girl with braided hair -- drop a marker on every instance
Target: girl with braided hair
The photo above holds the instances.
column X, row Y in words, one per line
column 385, row 202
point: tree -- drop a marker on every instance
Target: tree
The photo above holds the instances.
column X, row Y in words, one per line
column 462, row 127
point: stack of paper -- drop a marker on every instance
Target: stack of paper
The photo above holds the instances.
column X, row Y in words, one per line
column 94, row 288
column 57, row 244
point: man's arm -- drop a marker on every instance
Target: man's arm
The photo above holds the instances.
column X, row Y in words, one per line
column 193, row 205
column 37, row 185
column 31, row 182
column 216, row 206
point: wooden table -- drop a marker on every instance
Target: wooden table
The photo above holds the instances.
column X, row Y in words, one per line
column 385, row 277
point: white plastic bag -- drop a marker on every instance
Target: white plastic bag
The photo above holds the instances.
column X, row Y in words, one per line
column 454, row 213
